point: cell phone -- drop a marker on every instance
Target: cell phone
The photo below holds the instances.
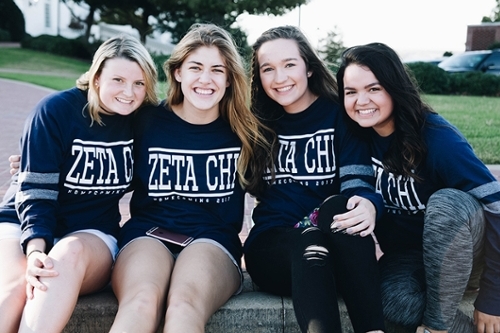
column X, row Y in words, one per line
column 169, row 236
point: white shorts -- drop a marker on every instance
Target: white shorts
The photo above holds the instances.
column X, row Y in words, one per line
column 109, row 240
column 13, row 230
column 10, row 230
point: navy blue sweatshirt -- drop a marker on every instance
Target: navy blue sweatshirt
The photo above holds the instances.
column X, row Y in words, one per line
column 185, row 179
column 318, row 157
column 72, row 174
column 450, row 163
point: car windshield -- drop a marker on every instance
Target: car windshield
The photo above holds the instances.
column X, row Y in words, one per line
column 464, row 60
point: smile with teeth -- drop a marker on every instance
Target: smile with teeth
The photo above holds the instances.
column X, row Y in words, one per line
column 367, row 111
column 283, row 89
column 123, row 101
column 203, row 91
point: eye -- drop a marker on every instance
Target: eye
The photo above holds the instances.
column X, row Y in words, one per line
column 289, row 65
column 266, row 69
column 376, row 88
column 117, row 79
column 194, row 68
column 140, row 83
column 349, row 92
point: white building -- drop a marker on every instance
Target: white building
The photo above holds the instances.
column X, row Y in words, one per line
column 53, row 17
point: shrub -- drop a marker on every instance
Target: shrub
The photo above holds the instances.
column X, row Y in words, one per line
column 475, row 83
column 12, row 20
column 430, row 78
column 58, row 45
column 4, row 36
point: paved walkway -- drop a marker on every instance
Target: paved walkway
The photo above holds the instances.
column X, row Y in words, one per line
column 16, row 101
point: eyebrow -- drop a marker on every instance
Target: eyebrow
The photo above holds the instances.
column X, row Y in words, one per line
column 367, row 86
column 200, row 64
column 284, row 60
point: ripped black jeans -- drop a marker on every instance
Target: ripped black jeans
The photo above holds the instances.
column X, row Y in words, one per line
column 314, row 267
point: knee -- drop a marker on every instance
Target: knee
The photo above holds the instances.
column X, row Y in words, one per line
column 145, row 302
column 313, row 250
column 182, row 303
column 452, row 205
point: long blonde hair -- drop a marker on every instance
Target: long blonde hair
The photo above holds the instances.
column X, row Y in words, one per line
column 235, row 105
column 126, row 47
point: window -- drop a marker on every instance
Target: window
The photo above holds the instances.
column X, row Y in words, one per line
column 47, row 15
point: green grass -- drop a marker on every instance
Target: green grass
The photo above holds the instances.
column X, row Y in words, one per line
column 478, row 118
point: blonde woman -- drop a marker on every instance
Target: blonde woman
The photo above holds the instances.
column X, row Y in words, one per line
column 76, row 164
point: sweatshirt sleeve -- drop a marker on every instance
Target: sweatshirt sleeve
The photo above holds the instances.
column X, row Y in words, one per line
column 355, row 169
column 41, row 157
column 455, row 164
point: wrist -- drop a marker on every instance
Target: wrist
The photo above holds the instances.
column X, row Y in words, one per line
column 33, row 251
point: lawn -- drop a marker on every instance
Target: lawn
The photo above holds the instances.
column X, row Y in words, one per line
column 478, row 118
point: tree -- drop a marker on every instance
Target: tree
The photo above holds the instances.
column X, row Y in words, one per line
column 332, row 49
column 177, row 16
column 495, row 14
column 12, row 20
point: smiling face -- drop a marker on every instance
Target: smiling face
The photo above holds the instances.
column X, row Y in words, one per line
column 121, row 86
column 366, row 101
column 284, row 74
column 203, row 78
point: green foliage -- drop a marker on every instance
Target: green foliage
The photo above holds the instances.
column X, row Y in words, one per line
column 475, row 84
column 159, row 60
column 495, row 45
column 4, row 36
column 332, row 49
column 75, row 48
column 430, row 78
column 12, row 20
column 433, row 80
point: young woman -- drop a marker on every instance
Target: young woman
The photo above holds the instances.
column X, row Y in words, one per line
column 191, row 156
column 442, row 203
column 76, row 164
column 287, row 251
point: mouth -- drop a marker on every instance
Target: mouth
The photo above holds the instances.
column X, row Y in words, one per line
column 366, row 112
column 201, row 91
column 124, row 101
column 284, row 89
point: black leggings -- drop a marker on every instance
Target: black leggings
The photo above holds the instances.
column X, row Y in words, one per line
column 311, row 266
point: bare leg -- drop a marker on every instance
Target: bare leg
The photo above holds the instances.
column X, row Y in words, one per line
column 84, row 264
column 140, row 281
column 202, row 281
column 12, row 284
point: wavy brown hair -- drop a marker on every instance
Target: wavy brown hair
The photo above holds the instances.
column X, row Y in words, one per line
column 234, row 106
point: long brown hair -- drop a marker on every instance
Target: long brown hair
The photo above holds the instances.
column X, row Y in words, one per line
column 235, row 105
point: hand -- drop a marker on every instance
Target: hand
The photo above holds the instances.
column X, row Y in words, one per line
column 38, row 264
column 486, row 323
column 359, row 220
column 14, row 163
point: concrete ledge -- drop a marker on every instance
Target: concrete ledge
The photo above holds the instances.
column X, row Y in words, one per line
column 250, row 312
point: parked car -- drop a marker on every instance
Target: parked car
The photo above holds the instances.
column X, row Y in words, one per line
column 486, row 61
column 433, row 61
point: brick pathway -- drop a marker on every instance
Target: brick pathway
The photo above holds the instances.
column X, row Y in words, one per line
column 16, row 101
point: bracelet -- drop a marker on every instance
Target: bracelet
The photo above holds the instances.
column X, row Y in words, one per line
column 32, row 251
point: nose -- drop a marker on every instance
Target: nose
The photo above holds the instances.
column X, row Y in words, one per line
column 204, row 77
column 128, row 90
column 362, row 99
column 280, row 75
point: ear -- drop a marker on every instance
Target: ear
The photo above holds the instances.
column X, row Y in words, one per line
column 309, row 73
column 96, row 81
column 177, row 75
column 227, row 84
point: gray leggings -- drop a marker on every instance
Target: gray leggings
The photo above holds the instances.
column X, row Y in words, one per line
column 426, row 288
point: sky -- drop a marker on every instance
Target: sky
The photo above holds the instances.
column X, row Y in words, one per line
column 417, row 30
